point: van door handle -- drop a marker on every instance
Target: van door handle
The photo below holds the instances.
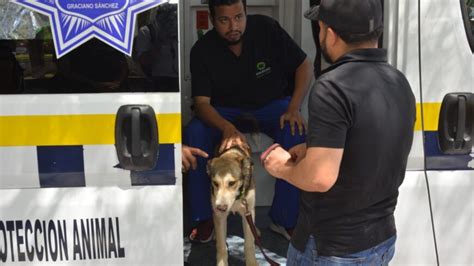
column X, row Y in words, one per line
column 455, row 125
column 461, row 124
column 136, row 137
column 136, row 150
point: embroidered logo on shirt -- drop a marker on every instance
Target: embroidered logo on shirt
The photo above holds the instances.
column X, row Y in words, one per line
column 262, row 69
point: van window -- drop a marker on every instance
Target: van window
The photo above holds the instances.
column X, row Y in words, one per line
column 29, row 65
column 468, row 14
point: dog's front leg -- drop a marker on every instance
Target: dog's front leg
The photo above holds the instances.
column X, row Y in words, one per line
column 220, row 224
column 249, row 245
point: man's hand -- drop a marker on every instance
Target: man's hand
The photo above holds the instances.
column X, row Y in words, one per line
column 298, row 152
column 189, row 157
column 295, row 119
column 232, row 137
column 277, row 162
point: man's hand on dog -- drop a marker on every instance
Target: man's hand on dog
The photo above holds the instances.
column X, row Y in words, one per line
column 189, row 157
column 232, row 137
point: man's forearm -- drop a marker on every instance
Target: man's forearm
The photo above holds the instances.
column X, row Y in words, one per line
column 301, row 176
column 316, row 172
column 303, row 76
column 211, row 117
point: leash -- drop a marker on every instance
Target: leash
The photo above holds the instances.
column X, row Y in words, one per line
column 248, row 217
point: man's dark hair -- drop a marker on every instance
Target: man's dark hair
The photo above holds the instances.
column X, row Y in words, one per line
column 214, row 3
column 353, row 38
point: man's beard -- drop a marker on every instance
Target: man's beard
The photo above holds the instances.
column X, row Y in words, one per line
column 325, row 54
column 231, row 43
column 324, row 50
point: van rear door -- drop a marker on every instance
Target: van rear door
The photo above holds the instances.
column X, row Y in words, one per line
column 447, row 84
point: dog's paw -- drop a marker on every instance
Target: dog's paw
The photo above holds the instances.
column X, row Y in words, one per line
column 251, row 262
column 223, row 262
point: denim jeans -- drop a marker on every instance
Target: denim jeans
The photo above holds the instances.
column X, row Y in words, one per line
column 378, row 255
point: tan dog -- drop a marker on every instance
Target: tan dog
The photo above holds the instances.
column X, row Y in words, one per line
column 232, row 188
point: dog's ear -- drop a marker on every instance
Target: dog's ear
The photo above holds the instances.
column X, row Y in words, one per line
column 209, row 167
column 247, row 165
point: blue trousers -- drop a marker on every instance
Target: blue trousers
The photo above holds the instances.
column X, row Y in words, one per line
column 284, row 209
column 381, row 254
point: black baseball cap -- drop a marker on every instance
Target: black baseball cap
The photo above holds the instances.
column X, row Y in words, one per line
column 348, row 16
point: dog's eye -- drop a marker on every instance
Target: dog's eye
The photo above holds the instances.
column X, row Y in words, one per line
column 231, row 183
column 215, row 184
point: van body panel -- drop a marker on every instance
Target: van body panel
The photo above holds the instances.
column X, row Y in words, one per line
column 447, row 65
column 131, row 218
column 65, row 199
column 452, row 195
column 415, row 242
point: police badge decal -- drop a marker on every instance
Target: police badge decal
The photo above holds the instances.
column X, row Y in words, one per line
column 77, row 21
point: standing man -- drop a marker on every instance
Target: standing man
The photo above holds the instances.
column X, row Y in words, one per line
column 360, row 131
column 244, row 65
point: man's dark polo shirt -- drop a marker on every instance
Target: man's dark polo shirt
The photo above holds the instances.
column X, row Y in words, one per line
column 365, row 106
column 260, row 75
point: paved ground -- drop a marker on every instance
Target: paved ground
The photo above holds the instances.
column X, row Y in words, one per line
column 204, row 254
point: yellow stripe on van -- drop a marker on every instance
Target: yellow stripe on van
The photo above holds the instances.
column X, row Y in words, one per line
column 431, row 115
column 61, row 130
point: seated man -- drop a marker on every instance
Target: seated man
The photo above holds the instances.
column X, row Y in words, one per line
column 243, row 66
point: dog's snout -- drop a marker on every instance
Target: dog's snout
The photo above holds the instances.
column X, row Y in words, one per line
column 222, row 207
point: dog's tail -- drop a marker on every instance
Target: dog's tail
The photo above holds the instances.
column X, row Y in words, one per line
column 248, row 124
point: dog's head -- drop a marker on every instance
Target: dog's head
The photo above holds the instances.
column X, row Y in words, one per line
column 230, row 175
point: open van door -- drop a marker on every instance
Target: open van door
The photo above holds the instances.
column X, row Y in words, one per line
column 90, row 144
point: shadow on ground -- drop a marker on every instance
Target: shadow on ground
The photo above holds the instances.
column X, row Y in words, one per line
column 205, row 254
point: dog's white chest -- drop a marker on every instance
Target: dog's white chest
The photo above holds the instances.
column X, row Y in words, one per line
column 238, row 207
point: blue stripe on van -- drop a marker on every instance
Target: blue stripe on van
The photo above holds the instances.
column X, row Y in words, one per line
column 61, row 166
column 437, row 160
column 162, row 174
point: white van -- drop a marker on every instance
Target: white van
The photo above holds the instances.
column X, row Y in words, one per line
column 68, row 197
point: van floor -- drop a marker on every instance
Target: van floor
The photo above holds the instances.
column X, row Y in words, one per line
column 275, row 246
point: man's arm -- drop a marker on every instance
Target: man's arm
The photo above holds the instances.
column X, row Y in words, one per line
column 303, row 77
column 316, row 172
column 208, row 114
